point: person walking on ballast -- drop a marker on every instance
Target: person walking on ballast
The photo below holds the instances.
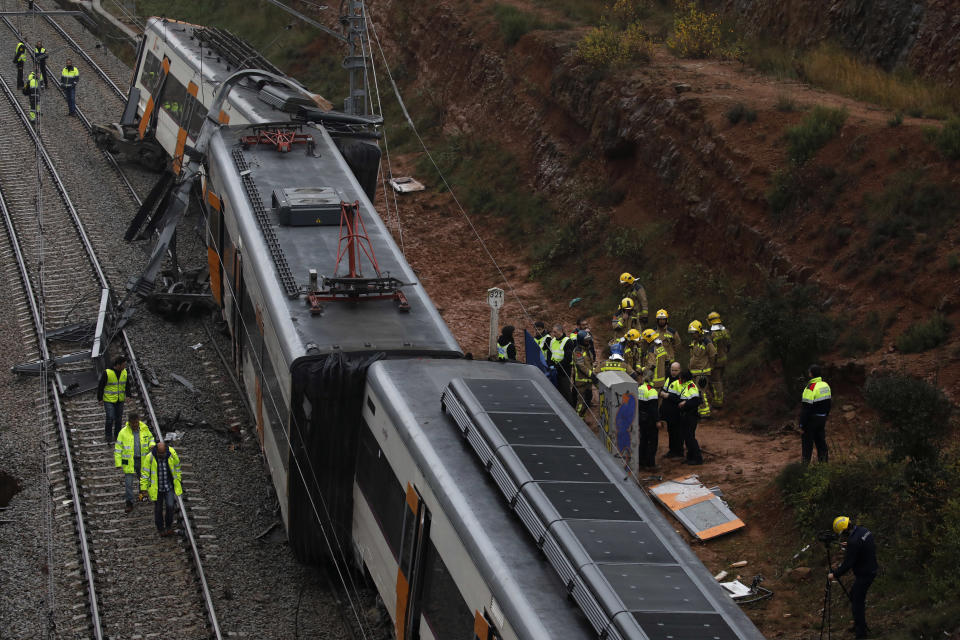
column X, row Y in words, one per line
column 133, row 442
column 112, row 392
column 160, row 478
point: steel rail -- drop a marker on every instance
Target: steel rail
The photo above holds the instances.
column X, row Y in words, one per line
column 87, row 124
column 104, row 283
column 76, row 47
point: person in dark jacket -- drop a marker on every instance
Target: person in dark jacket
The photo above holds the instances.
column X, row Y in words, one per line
column 670, row 414
column 506, row 350
column 690, row 399
column 814, row 409
column 861, row 558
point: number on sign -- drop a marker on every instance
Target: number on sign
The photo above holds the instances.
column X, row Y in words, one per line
column 495, row 298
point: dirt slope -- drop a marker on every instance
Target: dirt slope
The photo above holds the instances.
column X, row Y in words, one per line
column 660, row 135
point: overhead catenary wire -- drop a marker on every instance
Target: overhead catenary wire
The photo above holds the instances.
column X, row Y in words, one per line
column 468, row 220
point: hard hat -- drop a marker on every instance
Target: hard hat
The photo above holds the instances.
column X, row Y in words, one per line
column 649, row 335
column 633, row 335
column 616, row 356
column 840, row 524
column 626, row 278
column 695, row 327
column 714, row 318
column 626, row 303
column 584, row 338
column 662, row 313
column 616, row 348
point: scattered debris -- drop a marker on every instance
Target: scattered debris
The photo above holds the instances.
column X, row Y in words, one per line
column 743, row 594
column 699, row 509
column 172, row 436
column 184, row 382
column 741, row 563
column 406, row 184
column 682, row 87
column 573, row 302
column 266, row 531
column 196, row 346
column 720, row 576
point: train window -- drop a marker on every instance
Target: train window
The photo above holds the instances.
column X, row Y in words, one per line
column 249, row 333
column 174, row 98
column 274, row 404
column 380, row 486
column 373, row 407
column 152, row 74
column 447, row 613
column 195, row 112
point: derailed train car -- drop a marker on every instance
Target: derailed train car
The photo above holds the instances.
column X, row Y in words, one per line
column 477, row 501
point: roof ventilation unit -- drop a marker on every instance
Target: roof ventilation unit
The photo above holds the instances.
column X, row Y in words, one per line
column 307, row 206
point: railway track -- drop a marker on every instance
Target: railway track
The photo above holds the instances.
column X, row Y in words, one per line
column 120, row 561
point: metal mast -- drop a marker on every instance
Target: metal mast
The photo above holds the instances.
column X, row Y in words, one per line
column 354, row 21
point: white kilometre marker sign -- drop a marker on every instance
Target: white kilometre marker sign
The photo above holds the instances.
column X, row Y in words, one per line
column 495, row 298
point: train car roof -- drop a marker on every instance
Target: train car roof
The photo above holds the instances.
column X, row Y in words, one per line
column 531, row 594
column 259, row 172
column 632, row 574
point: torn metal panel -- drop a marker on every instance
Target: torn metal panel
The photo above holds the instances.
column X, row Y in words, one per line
column 406, row 184
column 698, row 508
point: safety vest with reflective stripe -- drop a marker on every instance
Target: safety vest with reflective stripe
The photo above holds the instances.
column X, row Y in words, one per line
column 502, row 350
column 540, row 341
column 123, row 452
column 657, row 362
column 116, row 388
column 690, row 390
column 816, row 391
column 148, row 473
column 701, row 354
column 613, row 365
column 558, row 348
column 21, row 53
column 647, row 392
column 69, row 78
column 581, row 358
column 675, row 388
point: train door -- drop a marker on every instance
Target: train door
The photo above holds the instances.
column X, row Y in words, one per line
column 410, row 575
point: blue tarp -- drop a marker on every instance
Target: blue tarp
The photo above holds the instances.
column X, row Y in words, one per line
column 536, row 358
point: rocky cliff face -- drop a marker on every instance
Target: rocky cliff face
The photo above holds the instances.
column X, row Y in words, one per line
column 921, row 34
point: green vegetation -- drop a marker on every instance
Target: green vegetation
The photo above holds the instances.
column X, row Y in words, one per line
column 896, row 119
column 910, row 203
column 785, row 190
column 947, row 139
column 739, row 112
column 700, row 34
column 922, row 336
column 910, row 499
column 620, row 39
column 865, row 337
column 787, row 319
column 816, row 130
column 580, row 11
column 831, row 68
column 514, row 22
column 786, row 104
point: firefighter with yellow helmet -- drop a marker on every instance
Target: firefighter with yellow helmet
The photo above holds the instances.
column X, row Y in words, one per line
column 656, row 360
column 702, row 355
column 668, row 336
column 626, row 317
column 720, row 336
column 632, row 289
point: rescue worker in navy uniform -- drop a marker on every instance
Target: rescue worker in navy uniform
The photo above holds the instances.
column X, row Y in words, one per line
column 647, row 400
column 68, row 81
column 861, row 558
column 690, row 399
column 814, row 409
column 670, row 413
column 561, row 347
column 19, row 58
column 506, row 350
column 40, row 56
column 31, row 89
column 540, row 335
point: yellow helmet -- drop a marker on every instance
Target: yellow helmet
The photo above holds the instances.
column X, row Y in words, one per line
column 626, row 303
column 695, row 327
column 649, row 335
column 840, row 524
column 626, row 278
column 662, row 313
column 714, row 318
column 633, row 335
